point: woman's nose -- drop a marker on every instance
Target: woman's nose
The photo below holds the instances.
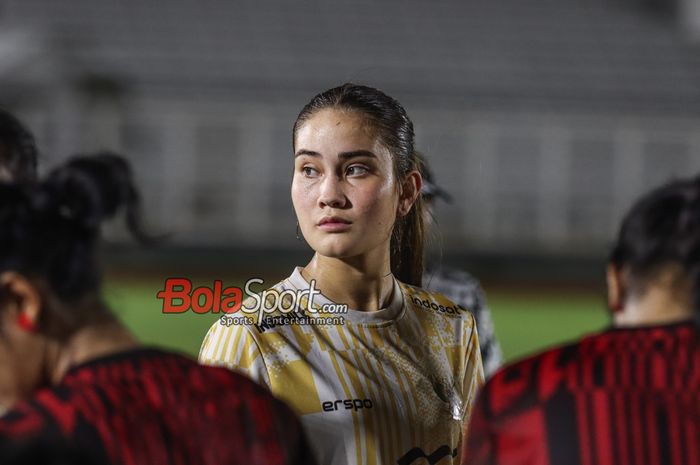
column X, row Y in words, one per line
column 331, row 193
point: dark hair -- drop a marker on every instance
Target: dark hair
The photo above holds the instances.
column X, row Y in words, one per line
column 49, row 232
column 394, row 129
column 18, row 152
column 430, row 190
column 662, row 229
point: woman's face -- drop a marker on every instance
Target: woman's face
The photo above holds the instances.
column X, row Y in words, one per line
column 344, row 190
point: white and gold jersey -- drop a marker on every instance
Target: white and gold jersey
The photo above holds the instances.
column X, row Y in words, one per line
column 393, row 386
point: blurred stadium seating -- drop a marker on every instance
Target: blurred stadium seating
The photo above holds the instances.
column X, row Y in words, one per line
column 544, row 118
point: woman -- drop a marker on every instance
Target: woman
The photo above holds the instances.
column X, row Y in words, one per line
column 628, row 395
column 394, row 382
column 79, row 377
column 18, row 160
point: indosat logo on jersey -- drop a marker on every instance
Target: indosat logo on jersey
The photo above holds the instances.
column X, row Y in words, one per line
column 437, row 307
column 179, row 296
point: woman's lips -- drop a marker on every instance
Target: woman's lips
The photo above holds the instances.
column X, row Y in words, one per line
column 334, row 224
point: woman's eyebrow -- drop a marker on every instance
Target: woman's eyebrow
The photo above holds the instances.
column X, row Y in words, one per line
column 343, row 155
column 311, row 153
column 356, row 153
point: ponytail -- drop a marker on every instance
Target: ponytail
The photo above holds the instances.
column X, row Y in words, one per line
column 49, row 230
column 90, row 189
column 408, row 243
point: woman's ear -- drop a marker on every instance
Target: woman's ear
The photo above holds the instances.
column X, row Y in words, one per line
column 21, row 299
column 410, row 190
column 617, row 289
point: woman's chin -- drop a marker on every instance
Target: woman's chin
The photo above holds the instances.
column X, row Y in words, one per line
column 336, row 247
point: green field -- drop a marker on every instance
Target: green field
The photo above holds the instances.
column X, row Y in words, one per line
column 526, row 321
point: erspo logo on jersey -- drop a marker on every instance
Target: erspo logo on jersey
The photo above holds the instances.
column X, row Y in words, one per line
column 179, row 296
column 347, row 404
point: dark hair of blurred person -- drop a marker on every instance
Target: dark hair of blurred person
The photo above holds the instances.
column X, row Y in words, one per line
column 628, row 395
column 18, row 152
column 78, row 375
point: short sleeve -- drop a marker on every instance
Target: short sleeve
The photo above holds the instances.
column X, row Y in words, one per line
column 234, row 347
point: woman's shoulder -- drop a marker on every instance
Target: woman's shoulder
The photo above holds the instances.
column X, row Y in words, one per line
column 260, row 295
column 433, row 302
column 269, row 309
column 247, row 321
column 42, row 414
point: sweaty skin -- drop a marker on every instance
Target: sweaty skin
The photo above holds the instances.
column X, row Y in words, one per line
column 344, row 176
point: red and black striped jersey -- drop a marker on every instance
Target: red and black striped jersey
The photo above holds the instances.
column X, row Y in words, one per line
column 621, row 397
column 149, row 407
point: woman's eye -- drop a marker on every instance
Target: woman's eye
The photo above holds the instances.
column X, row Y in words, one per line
column 309, row 171
column 357, row 170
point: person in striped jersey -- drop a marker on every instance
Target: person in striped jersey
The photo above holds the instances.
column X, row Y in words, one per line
column 393, row 382
column 627, row 395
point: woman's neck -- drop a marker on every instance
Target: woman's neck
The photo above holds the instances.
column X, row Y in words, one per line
column 658, row 306
column 362, row 283
column 88, row 343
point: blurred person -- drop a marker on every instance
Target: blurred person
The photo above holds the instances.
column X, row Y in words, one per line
column 18, row 152
column 628, row 395
column 18, row 161
column 393, row 381
column 457, row 285
column 79, row 376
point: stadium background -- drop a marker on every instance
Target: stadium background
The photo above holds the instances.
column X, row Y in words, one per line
column 543, row 119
